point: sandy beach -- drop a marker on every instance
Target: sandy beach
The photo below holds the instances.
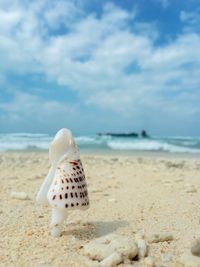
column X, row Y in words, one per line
column 128, row 196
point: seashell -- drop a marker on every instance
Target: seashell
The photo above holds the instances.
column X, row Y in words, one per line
column 69, row 189
column 57, row 149
column 65, row 186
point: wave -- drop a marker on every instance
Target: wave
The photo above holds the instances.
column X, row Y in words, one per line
column 30, row 141
column 25, row 145
column 85, row 140
column 92, row 140
column 150, row 145
column 24, row 134
column 24, row 141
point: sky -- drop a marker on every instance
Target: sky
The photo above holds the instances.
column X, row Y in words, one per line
column 99, row 66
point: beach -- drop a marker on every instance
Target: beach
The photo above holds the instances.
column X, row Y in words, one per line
column 129, row 195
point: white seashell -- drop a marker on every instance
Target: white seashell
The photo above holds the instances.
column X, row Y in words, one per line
column 57, row 149
column 59, row 145
column 65, row 186
column 69, row 189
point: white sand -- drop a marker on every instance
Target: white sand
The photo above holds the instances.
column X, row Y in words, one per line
column 128, row 195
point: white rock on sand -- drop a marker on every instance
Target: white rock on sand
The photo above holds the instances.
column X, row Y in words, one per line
column 19, row 195
column 113, row 249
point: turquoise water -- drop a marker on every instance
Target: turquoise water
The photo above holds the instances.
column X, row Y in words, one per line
column 176, row 144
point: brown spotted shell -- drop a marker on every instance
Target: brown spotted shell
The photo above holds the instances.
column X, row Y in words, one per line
column 69, row 188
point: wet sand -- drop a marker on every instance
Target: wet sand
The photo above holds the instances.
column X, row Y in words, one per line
column 128, row 195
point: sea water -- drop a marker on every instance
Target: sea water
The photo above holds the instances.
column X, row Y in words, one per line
column 35, row 142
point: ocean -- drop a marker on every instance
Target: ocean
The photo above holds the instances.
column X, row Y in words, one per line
column 93, row 143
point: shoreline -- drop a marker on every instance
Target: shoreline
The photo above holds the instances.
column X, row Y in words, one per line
column 117, row 153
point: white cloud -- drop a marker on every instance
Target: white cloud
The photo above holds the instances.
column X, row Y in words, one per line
column 61, row 13
column 109, row 64
column 33, row 112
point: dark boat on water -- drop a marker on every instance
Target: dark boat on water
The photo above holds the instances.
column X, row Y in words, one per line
column 131, row 134
column 119, row 134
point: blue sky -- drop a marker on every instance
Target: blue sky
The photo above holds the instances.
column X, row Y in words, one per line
column 96, row 66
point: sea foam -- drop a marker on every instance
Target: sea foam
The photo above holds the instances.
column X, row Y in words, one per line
column 30, row 141
column 150, row 145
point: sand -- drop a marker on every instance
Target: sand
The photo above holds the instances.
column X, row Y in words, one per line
column 128, row 195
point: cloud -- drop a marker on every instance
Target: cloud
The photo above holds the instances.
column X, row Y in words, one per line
column 191, row 20
column 110, row 60
column 61, row 13
column 29, row 112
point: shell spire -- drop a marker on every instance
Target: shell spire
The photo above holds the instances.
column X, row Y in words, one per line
column 66, row 188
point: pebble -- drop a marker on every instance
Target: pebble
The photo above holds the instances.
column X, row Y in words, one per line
column 188, row 260
column 112, row 260
column 162, row 237
column 19, row 195
column 195, row 249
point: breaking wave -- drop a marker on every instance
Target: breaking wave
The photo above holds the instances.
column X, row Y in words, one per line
column 30, row 141
column 151, row 145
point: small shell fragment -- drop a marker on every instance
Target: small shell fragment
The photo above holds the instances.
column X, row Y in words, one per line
column 19, row 195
